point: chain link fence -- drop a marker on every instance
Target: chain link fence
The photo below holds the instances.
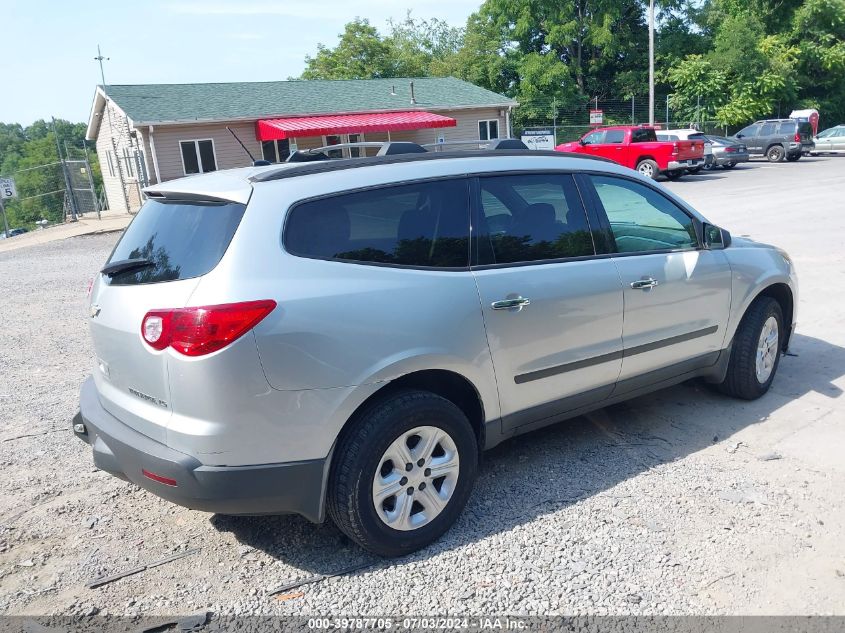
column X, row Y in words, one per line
column 570, row 121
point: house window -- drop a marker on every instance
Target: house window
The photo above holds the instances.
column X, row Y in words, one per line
column 276, row 151
column 488, row 130
column 198, row 156
column 129, row 162
column 347, row 152
column 110, row 161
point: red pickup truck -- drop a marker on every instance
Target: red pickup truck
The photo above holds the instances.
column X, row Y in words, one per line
column 637, row 147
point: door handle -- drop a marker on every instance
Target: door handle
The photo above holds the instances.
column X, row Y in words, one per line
column 644, row 284
column 507, row 304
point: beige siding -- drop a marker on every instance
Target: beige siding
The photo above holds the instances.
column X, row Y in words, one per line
column 227, row 152
column 115, row 127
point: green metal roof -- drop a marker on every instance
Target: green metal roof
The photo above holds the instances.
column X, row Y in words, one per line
column 159, row 103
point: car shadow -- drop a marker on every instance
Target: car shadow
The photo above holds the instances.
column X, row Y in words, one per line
column 520, row 480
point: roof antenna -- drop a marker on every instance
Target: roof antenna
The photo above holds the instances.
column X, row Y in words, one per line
column 413, row 98
column 255, row 163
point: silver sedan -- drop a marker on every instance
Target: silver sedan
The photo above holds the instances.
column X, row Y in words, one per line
column 727, row 153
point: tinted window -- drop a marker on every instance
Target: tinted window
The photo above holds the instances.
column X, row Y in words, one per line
column 530, row 218
column 642, row 219
column 787, row 127
column 643, row 135
column 421, row 224
column 182, row 240
column 768, row 129
column 751, row 130
column 614, row 136
column 697, row 137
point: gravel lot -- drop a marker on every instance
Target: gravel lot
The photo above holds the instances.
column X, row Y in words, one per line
column 681, row 502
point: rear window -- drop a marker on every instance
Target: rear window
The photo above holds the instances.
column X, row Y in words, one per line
column 180, row 239
column 696, row 137
column 421, row 224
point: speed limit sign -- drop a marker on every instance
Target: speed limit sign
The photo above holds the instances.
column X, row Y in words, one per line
column 7, row 188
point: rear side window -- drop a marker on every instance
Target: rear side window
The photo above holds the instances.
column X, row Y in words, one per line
column 419, row 224
column 615, row 136
column 179, row 239
column 528, row 218
column 787, row 127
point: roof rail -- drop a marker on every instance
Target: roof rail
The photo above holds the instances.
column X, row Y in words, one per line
column 386, row 148
column 495, row 144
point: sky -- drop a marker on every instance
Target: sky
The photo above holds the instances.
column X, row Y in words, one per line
column 47, row 48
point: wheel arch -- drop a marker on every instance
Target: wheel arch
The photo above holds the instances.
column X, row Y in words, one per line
column 782, row 293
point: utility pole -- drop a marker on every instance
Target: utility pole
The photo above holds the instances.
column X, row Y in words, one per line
column 651, row 62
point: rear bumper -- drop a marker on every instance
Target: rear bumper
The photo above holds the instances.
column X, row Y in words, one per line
column 739, row 157
column 289, row 488
column 692, row 163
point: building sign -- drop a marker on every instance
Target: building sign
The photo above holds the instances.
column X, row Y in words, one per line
column 7, row 188
column 596, row 117
column 538, row 138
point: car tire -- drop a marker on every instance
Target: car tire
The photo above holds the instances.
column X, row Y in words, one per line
column 709, row 166
column 648, row 168
column 756, row 351
column 793, row 158
column 730, row 165
column 775, row 154
column 674, row 174
column 365, row 461
column 697, row 170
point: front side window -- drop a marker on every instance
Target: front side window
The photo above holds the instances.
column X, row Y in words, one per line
column 750, row 131
column 488, row 130
column 198, row 156
column 421, row 224
column 594, row 138
column 642, row 219
column 528, row 218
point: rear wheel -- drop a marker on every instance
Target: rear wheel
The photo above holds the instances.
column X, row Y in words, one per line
column 730, row 165
column 674, row 174
column 793, row 157
column 403, row 473
column 775, row 154
column 755, row 353
column 648, row 168
column 696, row 170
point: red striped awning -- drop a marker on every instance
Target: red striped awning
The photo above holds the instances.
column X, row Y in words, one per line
column 295, row 127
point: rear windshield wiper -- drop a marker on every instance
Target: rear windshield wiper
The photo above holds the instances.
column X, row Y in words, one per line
column 124, row 265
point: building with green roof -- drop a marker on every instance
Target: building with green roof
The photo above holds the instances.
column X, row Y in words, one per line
column 152, row 133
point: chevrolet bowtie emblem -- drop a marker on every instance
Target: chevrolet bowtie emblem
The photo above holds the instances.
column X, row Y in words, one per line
column 95, row 310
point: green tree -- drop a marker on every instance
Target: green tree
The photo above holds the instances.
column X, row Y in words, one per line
column 361, row 53
column 819, row 34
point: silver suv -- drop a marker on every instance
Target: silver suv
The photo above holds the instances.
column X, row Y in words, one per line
column 344, row 338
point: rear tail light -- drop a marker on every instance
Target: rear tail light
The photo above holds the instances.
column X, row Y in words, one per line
column 205, row 329
column 730, row 149
column 797, row 138
column 675, row 149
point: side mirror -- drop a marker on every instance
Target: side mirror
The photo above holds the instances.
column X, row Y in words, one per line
column 715, row 238
column 740, row 135
column 581, row 141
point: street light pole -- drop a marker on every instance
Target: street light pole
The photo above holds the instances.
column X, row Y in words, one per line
column 651, row 62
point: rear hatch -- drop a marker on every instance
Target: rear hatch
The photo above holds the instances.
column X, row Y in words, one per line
column 157, row 264
column 805, row 131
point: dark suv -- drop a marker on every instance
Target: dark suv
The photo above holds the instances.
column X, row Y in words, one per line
column 777, row 139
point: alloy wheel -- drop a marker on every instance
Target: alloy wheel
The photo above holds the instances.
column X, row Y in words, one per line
column 768, row 347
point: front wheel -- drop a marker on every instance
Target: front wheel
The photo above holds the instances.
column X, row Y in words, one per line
column 755, row 353
column 674, row 174
column 402, row 473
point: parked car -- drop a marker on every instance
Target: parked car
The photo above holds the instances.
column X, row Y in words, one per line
column 686, row 135
column 777, row 139
column 637, row 147
column 830, row 141
column 727, row 152
column 14, row 232
column 342, row 338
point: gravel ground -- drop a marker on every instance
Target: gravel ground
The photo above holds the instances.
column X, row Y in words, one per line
column 682, row 502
